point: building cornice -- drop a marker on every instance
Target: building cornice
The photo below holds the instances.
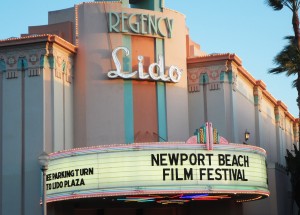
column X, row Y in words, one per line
column 228, row 58
column 215, row 57
column 37, row 39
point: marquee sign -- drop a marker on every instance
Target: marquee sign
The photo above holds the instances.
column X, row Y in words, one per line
column 157, row 168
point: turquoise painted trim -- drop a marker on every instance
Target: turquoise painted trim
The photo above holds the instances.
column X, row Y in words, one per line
column 2, row 66
column 203, row 78
column 51, row 61
column 42, row 61
column 128, row 95
column 222, row 76
column 230, row 76
column 161, row 98
column 19, row 64
column 155, row 5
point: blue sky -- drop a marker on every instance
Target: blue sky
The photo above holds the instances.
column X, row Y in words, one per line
column 250, row 29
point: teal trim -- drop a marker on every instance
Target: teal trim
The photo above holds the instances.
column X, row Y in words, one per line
column 161, row 98
column 230, row 76
column 42, row 61
column 51, row 61
column 203, row 78
column 128, row 95
column 155, row 5
column 222, row 76
column 20, row 61
column 2, row 66
column 256, row 100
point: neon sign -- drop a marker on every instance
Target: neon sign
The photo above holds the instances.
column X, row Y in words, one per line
column 172, row 75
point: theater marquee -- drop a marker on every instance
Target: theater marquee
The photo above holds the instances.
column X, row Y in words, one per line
column 164, row 168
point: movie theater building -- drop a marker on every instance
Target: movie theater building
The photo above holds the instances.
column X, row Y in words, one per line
column 136, row 120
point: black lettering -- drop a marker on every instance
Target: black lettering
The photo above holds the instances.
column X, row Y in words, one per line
column 173, row 158
column 81, row 182
column 239, row 175
column 177, row 175
column 235, row 161
column 91, row 171
column 183, row 157
column 201, row 158
column 163, row 160
column 48, row 177
column 48, row 186
column 227, row 160
column 85, row 171
column 188, row 174
column 246, row 161
column 202, row 173
column 219, row 175
column 221, row 160
column 193, row 159
column 153, row 160
column 243, row 178
column 234, row 174
column 166, row 172
column 240, row 162
column 209, row 158
column 225, row 173
column 209, row 174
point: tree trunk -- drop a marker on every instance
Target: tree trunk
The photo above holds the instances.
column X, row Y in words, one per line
column 295, row 22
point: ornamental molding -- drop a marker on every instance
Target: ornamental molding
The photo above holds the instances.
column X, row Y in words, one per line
column 212, row 75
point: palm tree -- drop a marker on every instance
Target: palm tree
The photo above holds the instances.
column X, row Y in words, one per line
column 288, row 62
column 286, row 59
column 293, row 5
column 293, row 167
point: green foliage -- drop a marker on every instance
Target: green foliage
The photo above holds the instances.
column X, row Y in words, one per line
column 288, row 60
column 293, row 163
column 293, row 168
column 275, row 4
column 293, row 5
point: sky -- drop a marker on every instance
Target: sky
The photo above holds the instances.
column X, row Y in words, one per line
column 250, row 29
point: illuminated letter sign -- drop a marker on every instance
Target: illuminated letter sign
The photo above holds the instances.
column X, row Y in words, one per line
column 143, row 24
column 173, row 75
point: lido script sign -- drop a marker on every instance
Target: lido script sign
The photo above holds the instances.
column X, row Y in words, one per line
column 143, row 24
column 163, row 168
column 156, row 71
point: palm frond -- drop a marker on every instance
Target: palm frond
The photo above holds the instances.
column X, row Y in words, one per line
column 287, row 60
column 275, row 4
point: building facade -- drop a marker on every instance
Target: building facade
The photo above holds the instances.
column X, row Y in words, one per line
column 111, row 83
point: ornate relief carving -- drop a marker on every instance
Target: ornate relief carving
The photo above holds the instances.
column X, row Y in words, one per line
column 37, row 60
column 12, row 75
column 193, row 76
column 11, row 61
column 33, row 59
column 257, row 93
column 214, row 73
